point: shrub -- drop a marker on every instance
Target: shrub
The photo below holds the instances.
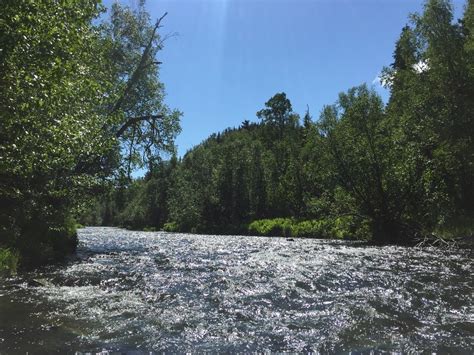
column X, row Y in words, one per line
column 461, row 226
column 344, row 227
column 8, row 261
column 276, row 227
column 42, row 243
column 171, row 227
column 313, row 229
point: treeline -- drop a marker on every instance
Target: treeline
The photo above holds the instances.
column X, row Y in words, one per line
column 389, row 172
column 255, row 172
column 80, row 105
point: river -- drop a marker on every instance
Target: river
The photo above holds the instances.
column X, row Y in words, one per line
column 141, row 292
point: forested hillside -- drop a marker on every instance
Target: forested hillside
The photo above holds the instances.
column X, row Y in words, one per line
column 389, row 172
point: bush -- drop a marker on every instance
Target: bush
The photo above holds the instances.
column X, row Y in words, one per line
column 461, row 226
column 275, row 227
column 8, row 261
column 171, row 227
column 43, row 243
column 345, row 227
column 322, row 228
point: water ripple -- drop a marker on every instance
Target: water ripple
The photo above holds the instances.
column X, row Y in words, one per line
column 141, row 292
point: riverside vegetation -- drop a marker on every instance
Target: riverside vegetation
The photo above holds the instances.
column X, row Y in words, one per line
column 82, row 107
column 391, row 173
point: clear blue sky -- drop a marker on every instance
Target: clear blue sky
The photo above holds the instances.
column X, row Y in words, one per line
column 231, row 56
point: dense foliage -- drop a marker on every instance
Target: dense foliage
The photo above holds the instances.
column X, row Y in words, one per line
column 80, row 103
column 390, row 172
column 81, row 107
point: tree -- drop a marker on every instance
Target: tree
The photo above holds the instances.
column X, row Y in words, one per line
column 431, row 109
column 367, row 163
column 72, row 95
column 278, row 113
column 144, row 125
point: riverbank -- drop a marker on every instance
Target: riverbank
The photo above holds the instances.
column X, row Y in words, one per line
column 38, row 247
column 345, row 227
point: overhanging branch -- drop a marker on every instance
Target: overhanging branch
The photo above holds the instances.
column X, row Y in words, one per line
column 138, row 70
column 134, row 120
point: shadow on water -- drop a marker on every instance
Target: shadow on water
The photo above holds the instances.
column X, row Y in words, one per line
column 137, row 292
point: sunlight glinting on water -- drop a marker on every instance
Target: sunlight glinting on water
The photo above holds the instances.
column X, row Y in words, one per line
column 173, row 292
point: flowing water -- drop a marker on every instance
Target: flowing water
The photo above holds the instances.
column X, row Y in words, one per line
column 142, row 292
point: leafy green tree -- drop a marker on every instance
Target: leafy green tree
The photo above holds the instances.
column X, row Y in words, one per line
column 184, row 204
column 278, row 114
column 257, row 183
column 72, row 95
column 144, row 125
column 51, row 88
column 432, row 111
column 365, row 161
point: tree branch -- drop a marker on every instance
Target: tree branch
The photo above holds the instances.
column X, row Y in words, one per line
column 133, row 120
column 152, row 63
column 138, row 70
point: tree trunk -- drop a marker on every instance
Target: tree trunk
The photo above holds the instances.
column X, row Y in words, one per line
column 387, row 231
